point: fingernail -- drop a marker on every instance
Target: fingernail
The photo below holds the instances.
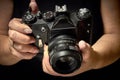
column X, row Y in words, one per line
column 28, row 30
column 32, row 41
column 82, row 44
column 36, row 51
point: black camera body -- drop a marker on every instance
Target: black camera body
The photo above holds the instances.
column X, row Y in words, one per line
column 61, row 31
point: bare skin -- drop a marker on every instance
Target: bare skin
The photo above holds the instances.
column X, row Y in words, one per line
column 8, row 36
column 99, row 55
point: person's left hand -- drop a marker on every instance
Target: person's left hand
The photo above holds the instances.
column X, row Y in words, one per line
column 89, row 60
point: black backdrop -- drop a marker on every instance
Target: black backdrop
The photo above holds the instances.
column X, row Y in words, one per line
column 32, row 69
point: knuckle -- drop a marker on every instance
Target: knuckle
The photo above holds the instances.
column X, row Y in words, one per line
column 26, row 39
column 19, row 47
column 14, row 19
column 11, row 50
column 9, row 33
column 12, row 34
column 31, row 50
column 11, row 22
column 15, row 53
column 34, row 50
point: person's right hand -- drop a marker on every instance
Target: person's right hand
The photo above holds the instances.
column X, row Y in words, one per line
column 20, row 40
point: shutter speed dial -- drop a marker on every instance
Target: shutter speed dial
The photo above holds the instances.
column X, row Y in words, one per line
column 48, row 16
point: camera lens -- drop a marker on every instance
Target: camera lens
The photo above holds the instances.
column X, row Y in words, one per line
column 64, row 55
column 68, row 63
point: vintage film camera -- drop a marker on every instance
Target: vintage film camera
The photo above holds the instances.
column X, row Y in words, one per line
column 61, row 30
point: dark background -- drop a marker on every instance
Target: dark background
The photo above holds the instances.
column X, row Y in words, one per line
column 31, row 70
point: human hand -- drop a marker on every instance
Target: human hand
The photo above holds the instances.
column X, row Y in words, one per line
column 20, row 41
column 89, row 60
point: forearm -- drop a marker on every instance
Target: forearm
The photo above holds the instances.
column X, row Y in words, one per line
column 108, row 49
column 6, row 9
column 108, row 46
column 6, row 57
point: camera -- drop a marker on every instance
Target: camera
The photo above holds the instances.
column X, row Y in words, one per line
column 61, row 30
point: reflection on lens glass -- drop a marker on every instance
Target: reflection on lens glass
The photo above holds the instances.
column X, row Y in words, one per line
column 66, row 63
column 68, row 59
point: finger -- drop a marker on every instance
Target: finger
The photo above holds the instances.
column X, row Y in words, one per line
column 46, row 65
column 46, row 51
column 45, row 61
column 16, row 24
column 26, row 48
column 33, row 6
column 20, row 38
column 48, row 69
column 22, row 55
column 86, row 52
column 84, row 47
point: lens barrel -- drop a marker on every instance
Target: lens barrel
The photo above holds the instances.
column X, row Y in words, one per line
column 65, row 57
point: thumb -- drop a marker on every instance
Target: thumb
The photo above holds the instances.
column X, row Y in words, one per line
column 46, row 50
column 84, row 47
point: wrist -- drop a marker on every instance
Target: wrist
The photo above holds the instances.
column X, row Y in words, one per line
column 6, row 56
